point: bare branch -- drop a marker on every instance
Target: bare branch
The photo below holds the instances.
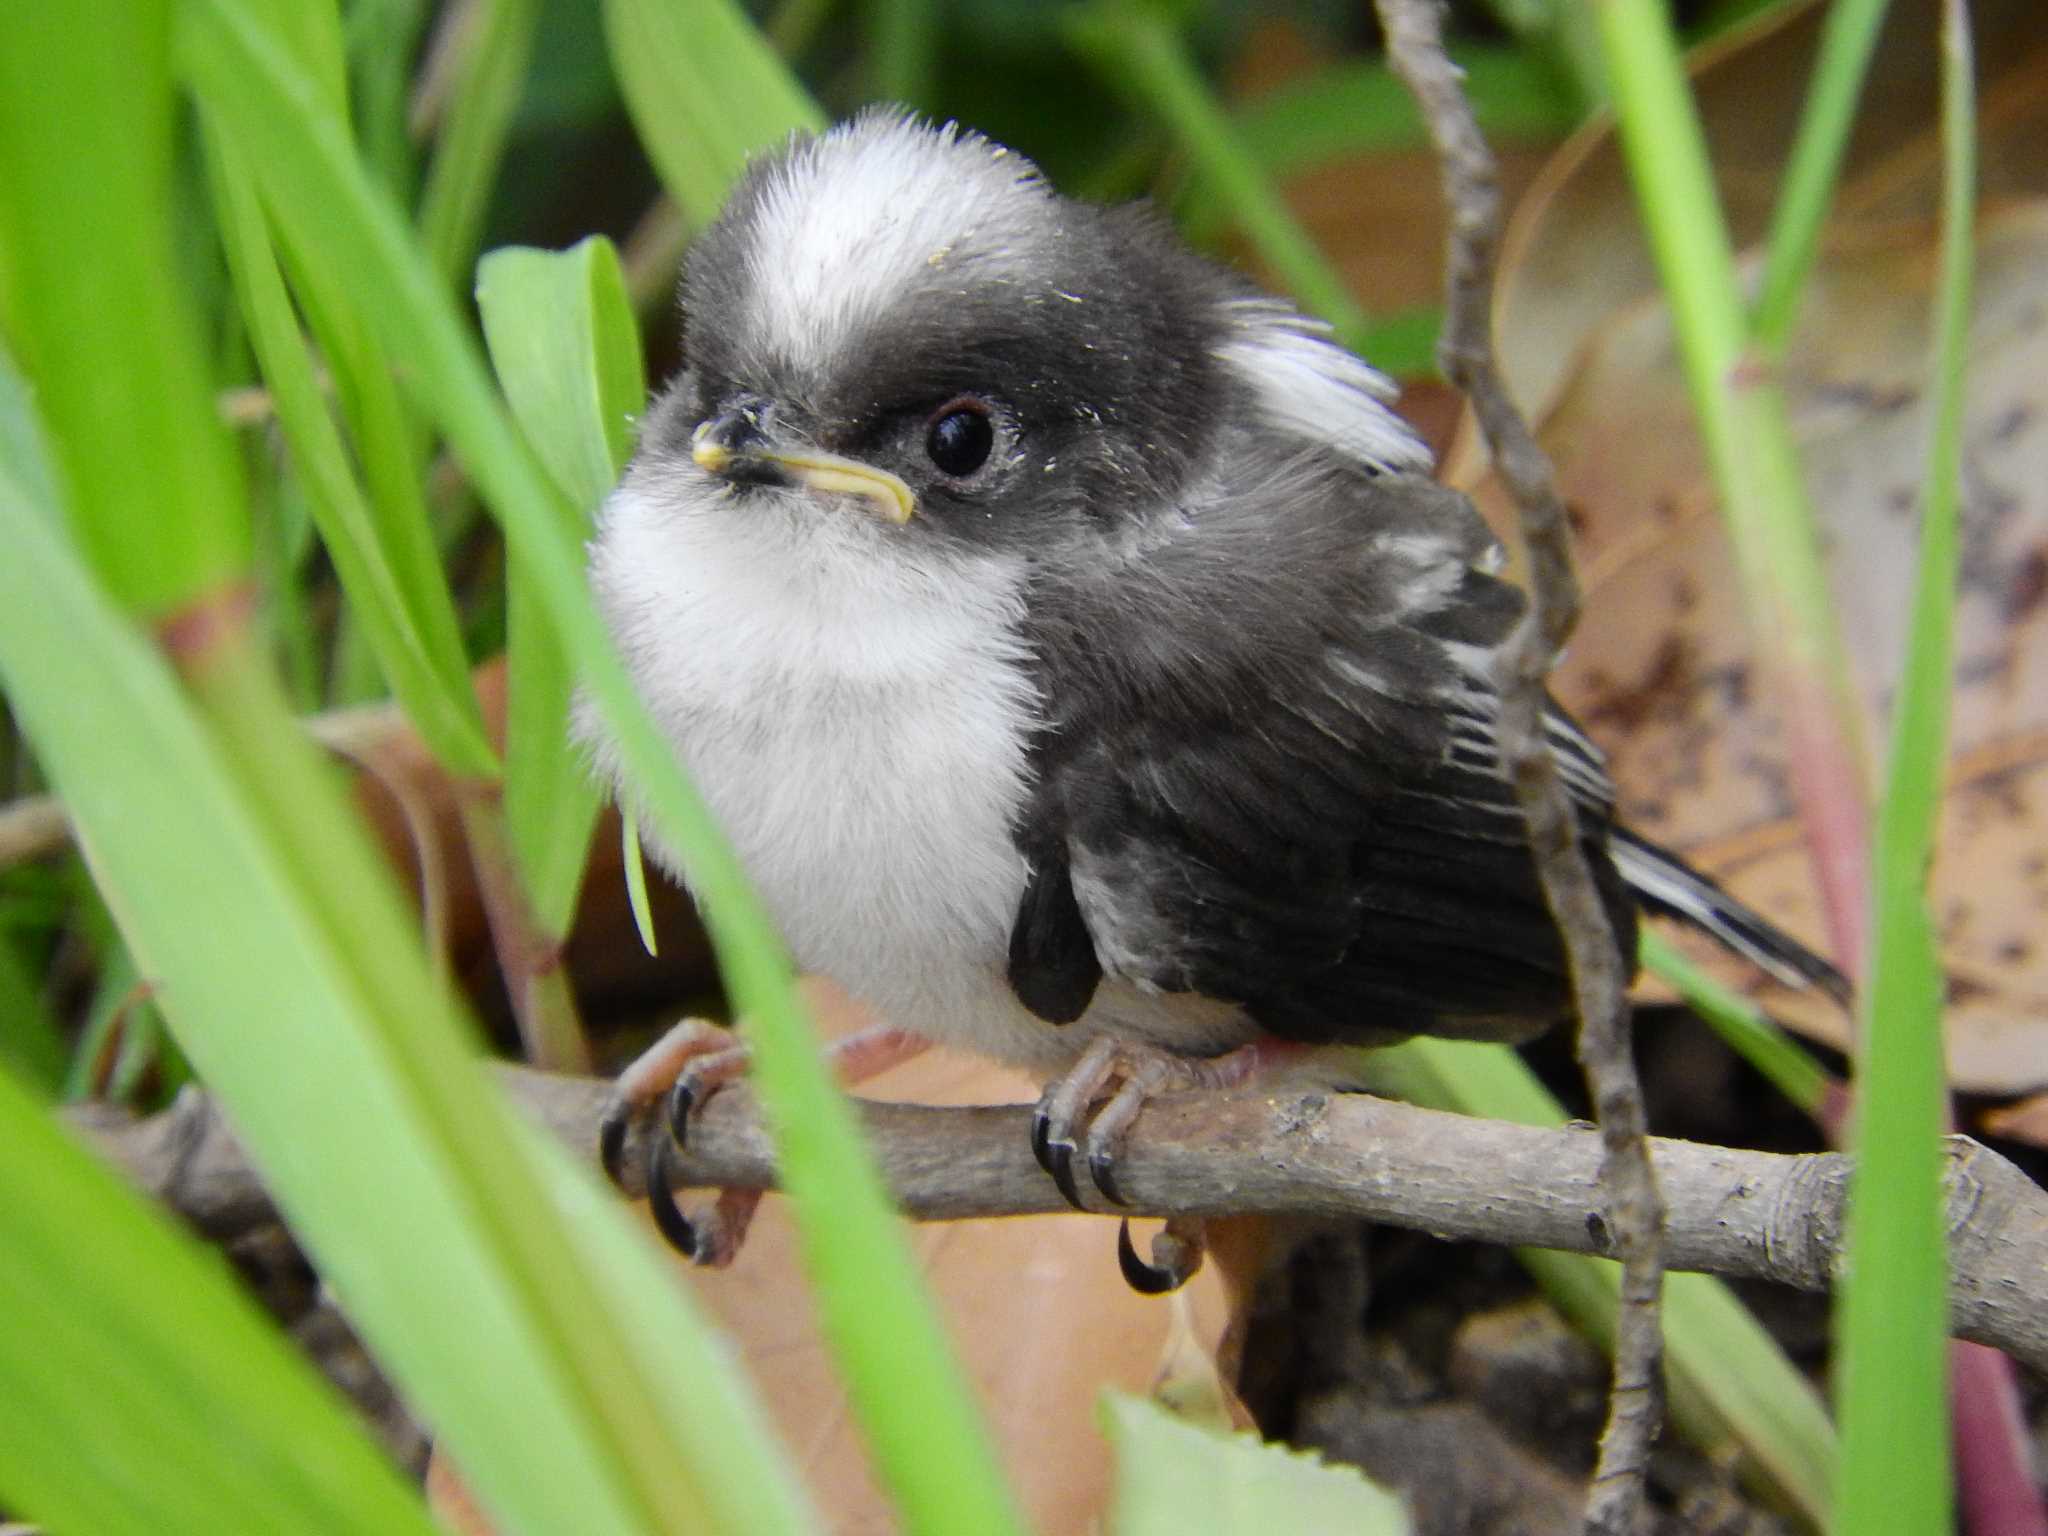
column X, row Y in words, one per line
column 1732, row 1212
column 1633, row 1208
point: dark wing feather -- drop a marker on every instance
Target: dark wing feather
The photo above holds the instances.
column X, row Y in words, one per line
column 1053, row 969
column 1271, row 767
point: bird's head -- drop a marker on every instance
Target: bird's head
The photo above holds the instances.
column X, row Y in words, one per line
column 904, row 322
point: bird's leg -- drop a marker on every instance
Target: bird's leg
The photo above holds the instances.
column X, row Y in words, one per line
column 690, row 1063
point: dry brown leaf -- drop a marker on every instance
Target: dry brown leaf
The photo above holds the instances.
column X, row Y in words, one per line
column 1660, row 671
column 1575, row 253
column 1036, row 1308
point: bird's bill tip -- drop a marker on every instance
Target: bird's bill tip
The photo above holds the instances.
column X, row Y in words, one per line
column 885, row 494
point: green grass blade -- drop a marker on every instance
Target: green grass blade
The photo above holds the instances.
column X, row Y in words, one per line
column 1173, row 1477
column 415, row 641
column 390, row 441
column 145, row 1392
column 382, row 36
column 636, row 879
column 903, row 50
column 1847, row 41
column 457, row 195
column 930, row 1445
column 346, row 1075
column 1893, row 1315
column 31, row 1040
column 1743, row 1027
column 1137, row 47
column 276, row 942
column 567, row 353
column 705, row 91
column 1747, row 433
column 1730, row 1385
column 1363, row 109
column 86, row 83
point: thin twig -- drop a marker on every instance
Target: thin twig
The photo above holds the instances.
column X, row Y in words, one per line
column 1633, row 1207
column 1333, row 1155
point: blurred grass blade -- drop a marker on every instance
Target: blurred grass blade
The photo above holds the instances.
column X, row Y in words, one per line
column 146, row 1394
column 274, row 937
column 705, row 90
column 567, row 353
column 426, row 674
column 1174, row 1478
column 1747, row 434
column 1135, row 45
column 457, row 196
column 1743, row 1027
column 1361, row 108
column 929, row 1442
column 1848, row 38
column 390, row 441
column 84, row 83
column 903, row 49
column 1731, row 1387
column 31, row 1040
column 239, row 882
column 1892, row 1319
column 382, row 36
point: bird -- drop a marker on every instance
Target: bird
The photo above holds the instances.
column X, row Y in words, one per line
column 1079, row 655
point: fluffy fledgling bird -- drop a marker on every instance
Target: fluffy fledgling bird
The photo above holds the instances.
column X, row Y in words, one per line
column 1075, row 647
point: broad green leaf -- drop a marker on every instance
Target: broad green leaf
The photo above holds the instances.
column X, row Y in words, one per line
column 415, row 643
column 567, row 353
column 1174, row 1478
column 928, row 1439
column 705, row 91
column 85, row 83
column 145, row 1392
column 1730, row 1385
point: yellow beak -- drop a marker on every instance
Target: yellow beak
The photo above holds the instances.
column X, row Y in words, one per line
column 885, row 493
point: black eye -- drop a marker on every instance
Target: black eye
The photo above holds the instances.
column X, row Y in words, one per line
column 960, row 437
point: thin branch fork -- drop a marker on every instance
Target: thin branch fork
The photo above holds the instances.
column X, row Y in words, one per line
column 1317, row 1152
column 1632, row 1201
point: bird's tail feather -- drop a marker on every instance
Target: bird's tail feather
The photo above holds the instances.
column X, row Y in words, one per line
column 1666, row 883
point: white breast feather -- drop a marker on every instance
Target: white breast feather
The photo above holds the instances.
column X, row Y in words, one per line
column 858, row 725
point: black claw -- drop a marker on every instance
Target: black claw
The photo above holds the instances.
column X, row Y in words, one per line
column 1102, row 1169
column 1061, row 1167
column 682, row 1098
column 669, row 1219
column 1146, row 1279
column 1041, row 1140
column 611, row 1143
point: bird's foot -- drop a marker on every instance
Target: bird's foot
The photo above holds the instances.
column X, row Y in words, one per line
column 686, row 1067
column 1120, row 1075
column 1176, row 1255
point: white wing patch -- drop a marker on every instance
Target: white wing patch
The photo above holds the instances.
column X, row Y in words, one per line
column 1306, row 383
